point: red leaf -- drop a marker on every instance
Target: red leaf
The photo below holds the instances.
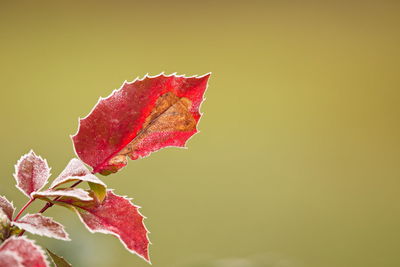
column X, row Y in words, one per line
column 41, row 225
column 75, row 171
column 141, row 117
column 30, row 254
column 10, row 259
column 31, row 173
column 77, row 193
column 116, row 216
column 7, row 207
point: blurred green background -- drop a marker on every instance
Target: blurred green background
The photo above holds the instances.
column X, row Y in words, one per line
column 298, row 159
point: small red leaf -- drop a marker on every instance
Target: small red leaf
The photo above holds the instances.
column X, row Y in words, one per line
column 10, row 259
column 31, row 173
column 116, row 216
column 141, row 117
column 30, row 254
column 76, row 171
column 7, row 207
column 41, row 225
column 65, row 192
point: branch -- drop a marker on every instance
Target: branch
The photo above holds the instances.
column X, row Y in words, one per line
column 48, row 205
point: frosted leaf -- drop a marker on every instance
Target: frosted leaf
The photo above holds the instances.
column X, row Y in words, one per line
column 117, row 216
column 77, row 171
column 10, row 259
column 65, row 192
column 7, row 207
column 41, row 225
column 141, row 117
column 28, row 252
column 31, row 173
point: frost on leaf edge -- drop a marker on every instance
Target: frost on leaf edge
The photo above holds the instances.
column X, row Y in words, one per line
column 16, row 171
column 18, row 224
column 141, row 79
column 33, row 243
column 115, row 234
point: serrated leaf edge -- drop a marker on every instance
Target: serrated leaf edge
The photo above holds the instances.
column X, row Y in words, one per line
column 16, row 223
column 13, row 254
column 114, row 234
column 77, row 178
column 16, row 171
column 32, row 242
column 12, row 205
column 141, row 79
column 39, row 195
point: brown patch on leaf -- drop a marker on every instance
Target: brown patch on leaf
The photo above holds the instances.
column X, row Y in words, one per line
column 170, row 114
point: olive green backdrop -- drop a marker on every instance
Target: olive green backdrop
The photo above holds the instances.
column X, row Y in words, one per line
column 298, row 159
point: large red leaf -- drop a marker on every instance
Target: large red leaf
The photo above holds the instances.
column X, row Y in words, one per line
column 117, row 216
column 41, row 225
column 31, row 173
column 139, row 118
column 27, row 253
column 7, row 207
column 10, row 259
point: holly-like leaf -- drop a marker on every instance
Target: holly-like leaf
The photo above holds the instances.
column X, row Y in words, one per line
column 77, row 171
column 117, row 216
column 57, row 260
column 41, row 225
column 65, row 192
column 31, row 173
column 139, row 118
column 10, row 259
column 7, row 207
column 30, row 255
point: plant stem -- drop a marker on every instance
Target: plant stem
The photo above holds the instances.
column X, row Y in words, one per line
column 48, row 205
column 24, row 208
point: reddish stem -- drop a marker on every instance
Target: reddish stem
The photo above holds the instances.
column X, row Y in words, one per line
column 24, row 208
column 48, row 205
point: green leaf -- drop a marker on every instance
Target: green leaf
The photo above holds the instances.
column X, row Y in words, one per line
column 57, row 260
column 99, row 191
